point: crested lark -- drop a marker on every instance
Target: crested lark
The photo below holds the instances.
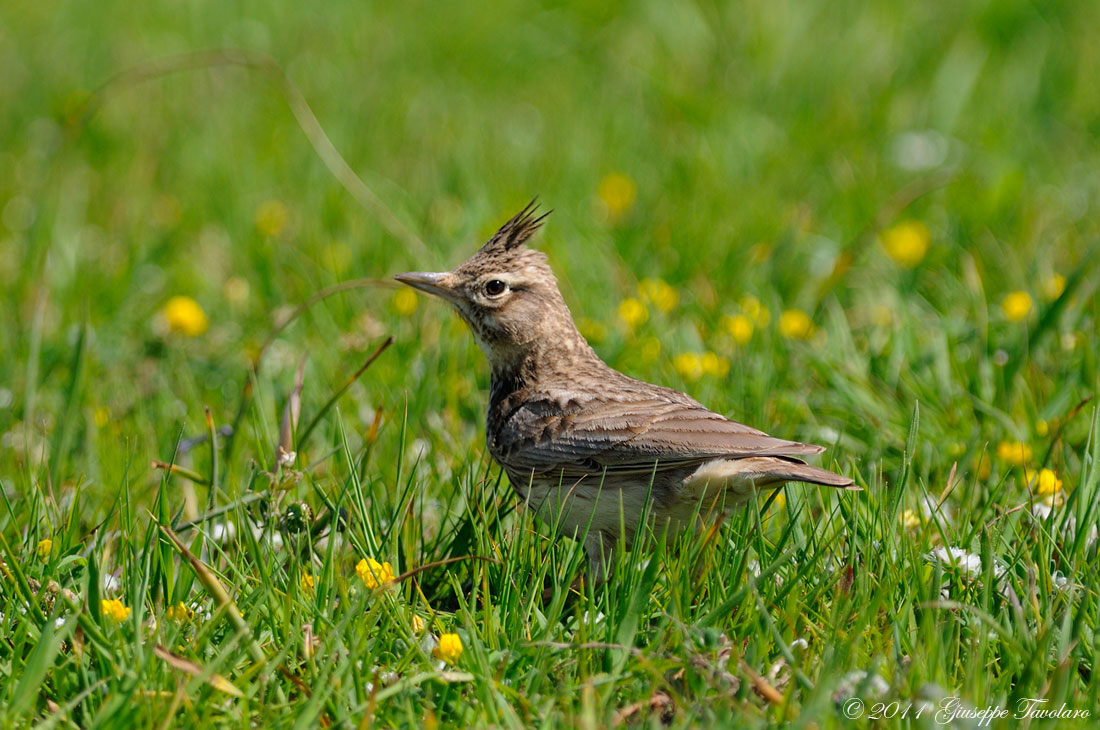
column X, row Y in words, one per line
column 583, row 444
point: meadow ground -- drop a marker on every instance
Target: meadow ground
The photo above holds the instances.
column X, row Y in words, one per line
column 872, row 226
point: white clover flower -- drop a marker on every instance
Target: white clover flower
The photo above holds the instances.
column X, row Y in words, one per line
column 1044, row 512
column 223, row 532
column 386, row 678
column 965, row 561
column 930, row 507
column 598, row 618
column 276, row 536
column 858, row 683
column 286, row 458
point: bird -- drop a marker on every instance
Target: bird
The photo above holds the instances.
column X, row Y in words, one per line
column 594, row 452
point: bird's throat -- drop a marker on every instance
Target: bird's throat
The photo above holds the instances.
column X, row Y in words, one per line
column 542, row 361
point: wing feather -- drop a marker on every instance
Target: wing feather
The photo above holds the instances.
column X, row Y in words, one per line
column 580, row 434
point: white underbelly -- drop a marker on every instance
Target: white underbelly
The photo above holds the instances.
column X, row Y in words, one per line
column 617, row 506
column 575, row 508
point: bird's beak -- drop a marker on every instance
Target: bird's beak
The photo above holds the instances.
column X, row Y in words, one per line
column 438, row 284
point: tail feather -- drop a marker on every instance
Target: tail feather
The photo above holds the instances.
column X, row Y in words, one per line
column 786, row 472
column 735, row 482
column 742, row 477
column 777, row 470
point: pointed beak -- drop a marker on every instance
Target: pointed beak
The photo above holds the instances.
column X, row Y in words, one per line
column 438, row 284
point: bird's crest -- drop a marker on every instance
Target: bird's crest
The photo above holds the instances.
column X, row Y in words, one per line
column 516, row 231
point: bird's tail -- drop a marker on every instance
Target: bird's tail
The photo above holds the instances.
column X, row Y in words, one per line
column 768, row 470
column 741, row 480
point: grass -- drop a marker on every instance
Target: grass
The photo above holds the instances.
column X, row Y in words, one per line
column 749, row 158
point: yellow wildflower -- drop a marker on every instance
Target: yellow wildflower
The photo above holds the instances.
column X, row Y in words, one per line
column 404, row 301
column 179, row 613
column 185, row 316
column 689, row 365
column 236, row 289
column 755, row 310
column 1016, row 305
column 1042, row 428
column 1053, row 286
column 907, row 242
column 374, row 574
column 694, row 365
column 739, row 326
column 714, row 365
column 617, row 193
column 113, row 609
column 45, row 547
column 417, row 624
column 592, row 330
column 271, row 217
column 882, row 316
column 1015, row 453
column 984, row 467
column 633, row 312
column 449, row 649
column 651, row 349
column 794, row 324
column 338, row 256
column 659, row 293
column 910, row 519
column 101, row 416
column 458, row 385
column 308, row 582
column 1047, row 484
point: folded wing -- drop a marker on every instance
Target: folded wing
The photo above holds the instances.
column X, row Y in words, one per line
column 582, row 435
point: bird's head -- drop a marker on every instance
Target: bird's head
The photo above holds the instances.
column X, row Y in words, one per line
column 505, row 292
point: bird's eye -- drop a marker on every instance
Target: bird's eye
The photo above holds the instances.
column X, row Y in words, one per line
column 495, row 287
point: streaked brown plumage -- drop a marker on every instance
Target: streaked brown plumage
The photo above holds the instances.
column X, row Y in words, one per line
column 582, row 443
